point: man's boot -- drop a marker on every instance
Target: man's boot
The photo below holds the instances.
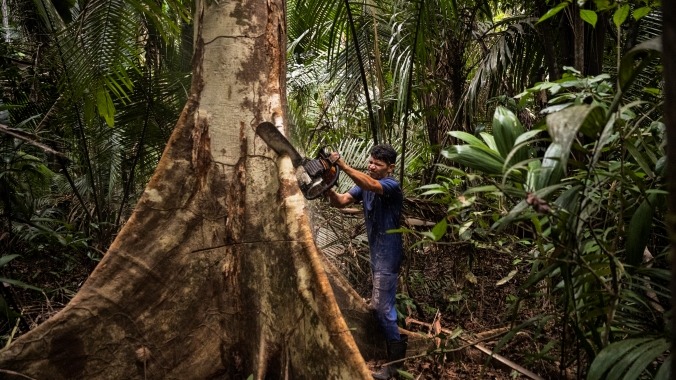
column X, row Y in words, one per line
column 396, row 350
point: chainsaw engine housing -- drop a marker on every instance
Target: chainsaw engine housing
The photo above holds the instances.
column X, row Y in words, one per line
column 317, row 175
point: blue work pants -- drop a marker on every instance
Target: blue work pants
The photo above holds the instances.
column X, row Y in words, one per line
column 383, row 302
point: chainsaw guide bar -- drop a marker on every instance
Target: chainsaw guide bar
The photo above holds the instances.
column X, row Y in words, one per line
column 314, row 176
column 278, row 142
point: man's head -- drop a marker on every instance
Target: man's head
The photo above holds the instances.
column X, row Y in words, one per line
column 382, row 160
column 384, row 152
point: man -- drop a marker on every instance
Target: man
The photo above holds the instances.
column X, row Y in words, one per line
column 382, row 200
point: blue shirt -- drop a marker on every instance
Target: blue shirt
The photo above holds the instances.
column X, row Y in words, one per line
column 382, row 212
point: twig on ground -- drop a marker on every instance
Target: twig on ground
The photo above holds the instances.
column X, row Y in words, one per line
column 6, row 371
column 477, row 344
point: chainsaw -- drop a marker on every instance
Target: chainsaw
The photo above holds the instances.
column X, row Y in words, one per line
column 314, row 176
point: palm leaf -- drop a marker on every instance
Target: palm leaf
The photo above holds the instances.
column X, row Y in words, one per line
column 627, row 359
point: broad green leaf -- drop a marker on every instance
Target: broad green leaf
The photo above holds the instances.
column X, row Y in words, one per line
column 489, row 140
column 439, row 230
column 468, row 138
column 620, row 15
column 641, row 12
column 660, row 165
column 527, row 136
column 589, row 16
column 520, row 150
column 105, row 106
column 506, row 129
column 604, row 139
column 620, row 368
column 456, row 333
column 522, row 206
column 7, row 258
column 646, row 50
column 553, row 11
column 563, row 127
column 464, row 232
column 405, row 375
column 664, row 373
column 602, row 5
column 610, row 355
column 551, row 170
column 482, row 189
column 434, row 191
column 484, row 160
column 569, row 199
column 658, row 273
column 640, row 159
column 18, row 283
column 639, row 230
column 433, row 188
column 652, row 91
column 646, row 357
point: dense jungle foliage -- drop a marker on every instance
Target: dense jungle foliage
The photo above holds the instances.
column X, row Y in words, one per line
column 531, row 139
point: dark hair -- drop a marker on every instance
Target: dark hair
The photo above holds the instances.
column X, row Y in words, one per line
column 384, row 152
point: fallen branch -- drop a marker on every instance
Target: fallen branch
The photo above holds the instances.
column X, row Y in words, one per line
column 477, row 344
column 30, row 139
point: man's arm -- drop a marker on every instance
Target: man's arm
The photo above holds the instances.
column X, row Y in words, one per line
column 338, row 200
column 360, row 179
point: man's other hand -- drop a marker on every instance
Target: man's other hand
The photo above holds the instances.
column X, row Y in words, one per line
column 334, row 157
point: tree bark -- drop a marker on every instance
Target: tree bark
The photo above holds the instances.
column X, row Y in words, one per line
column 577, row 25
column 216, row 274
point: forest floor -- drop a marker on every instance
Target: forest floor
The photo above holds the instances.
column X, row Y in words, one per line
column 459, row 290
column 54, row 279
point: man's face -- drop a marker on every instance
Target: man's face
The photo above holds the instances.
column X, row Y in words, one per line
column 379, row 169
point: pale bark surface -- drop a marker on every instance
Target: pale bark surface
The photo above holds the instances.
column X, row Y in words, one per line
column 216, row 274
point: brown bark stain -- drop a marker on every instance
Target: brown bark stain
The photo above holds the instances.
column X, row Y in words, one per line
column 277, row 77
column 201, row 158
column 287, row 188
column 243, row 14
column 266, row 63
column 201, row 148
column 228, row 294
column 251, row 72
column 236, row 195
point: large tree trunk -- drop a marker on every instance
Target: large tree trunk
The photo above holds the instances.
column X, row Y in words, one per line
column 216, row 274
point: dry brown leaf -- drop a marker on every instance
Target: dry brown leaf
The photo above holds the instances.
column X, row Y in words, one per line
column 436, row 329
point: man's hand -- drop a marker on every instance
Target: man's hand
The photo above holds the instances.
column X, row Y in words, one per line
column 334, row 157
